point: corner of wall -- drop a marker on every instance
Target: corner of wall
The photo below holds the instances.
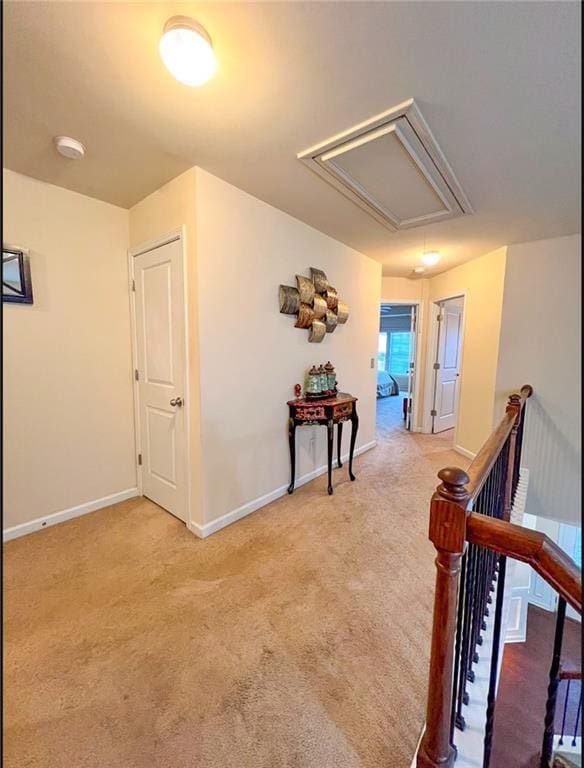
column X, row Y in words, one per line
column 172, row 206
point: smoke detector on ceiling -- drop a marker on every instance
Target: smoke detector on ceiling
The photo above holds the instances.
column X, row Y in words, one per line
column 70, row 148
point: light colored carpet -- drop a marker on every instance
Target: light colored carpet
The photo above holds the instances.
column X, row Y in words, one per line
column 296, row 638
column 390, row 414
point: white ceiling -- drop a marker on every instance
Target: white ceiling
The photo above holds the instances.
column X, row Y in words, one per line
column 498, row 83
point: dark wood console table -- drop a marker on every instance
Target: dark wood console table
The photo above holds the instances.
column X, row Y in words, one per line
column 333, row 410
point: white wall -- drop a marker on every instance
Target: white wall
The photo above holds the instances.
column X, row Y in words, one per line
column 541, row 345
column 481, row 281
column 402, row 290
column 251, row 355
column 68, row 424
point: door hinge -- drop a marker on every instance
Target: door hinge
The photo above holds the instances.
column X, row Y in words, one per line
column 436, row 366
column 433, row 412
column 440, row 318
column 134, row 285
column 139, row 459
column 136, row 374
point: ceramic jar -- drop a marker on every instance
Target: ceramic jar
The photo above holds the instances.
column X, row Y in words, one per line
column 313, row 382
column 331, row 377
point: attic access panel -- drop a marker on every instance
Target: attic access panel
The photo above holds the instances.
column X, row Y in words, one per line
column 392, row 167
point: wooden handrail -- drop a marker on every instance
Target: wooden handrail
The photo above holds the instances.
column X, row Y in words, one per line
column 486, row 457
column 532, row 547
column 570, row 674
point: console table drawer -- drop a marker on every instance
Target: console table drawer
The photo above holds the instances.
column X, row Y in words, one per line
column 309, row 413
column 343, row 410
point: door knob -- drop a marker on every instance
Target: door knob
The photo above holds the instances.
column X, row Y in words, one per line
column 176, row 402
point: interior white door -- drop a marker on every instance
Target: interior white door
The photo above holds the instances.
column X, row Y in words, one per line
column 411, row 369
column 160, row 337
column 447, row 366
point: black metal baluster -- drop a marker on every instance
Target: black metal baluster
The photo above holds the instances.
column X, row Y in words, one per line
column 550, row 705
column 518, row 447
column 577, row 717
column 483, row 508
column 480, row 606
column 488, row 743
column 561, row 741
column 502, row 480
column 462, row 697
column 476, row 613
column 458, row 644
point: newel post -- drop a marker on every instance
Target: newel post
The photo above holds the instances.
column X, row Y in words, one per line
column 447, row 532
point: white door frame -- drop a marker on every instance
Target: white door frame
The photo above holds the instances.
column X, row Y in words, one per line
column 419, row 304
column 431, row 347
column 178, row 234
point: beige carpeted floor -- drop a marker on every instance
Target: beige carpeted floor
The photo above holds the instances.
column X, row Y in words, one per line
column 296, row 638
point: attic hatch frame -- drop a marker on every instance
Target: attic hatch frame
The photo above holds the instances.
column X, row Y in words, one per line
column 408, row 125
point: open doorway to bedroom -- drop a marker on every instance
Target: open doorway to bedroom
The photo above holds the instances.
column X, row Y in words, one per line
column 396, row 367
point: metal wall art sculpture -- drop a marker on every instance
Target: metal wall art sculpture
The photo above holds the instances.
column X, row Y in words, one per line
column 315, row 303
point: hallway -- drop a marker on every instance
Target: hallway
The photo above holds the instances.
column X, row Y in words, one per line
column 389, row 415
column 297, row 637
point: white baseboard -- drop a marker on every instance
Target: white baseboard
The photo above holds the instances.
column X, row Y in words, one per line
column 415, row 757
column 202, row 531
column 464, row 452
column 66, row 514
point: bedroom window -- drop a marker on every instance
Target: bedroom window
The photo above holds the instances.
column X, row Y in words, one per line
column 399, row 352
column 382, row 352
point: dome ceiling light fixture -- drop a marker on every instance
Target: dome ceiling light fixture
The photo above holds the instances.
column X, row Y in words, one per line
column 187, row 51
column 430, row 258
column 69, row 148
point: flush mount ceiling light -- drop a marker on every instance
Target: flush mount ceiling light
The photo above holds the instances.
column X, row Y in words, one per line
column 68, row 147
column 187, row 51
column 430, row 258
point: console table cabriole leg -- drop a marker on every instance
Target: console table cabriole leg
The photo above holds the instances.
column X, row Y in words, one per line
column 292, row 441
column 339, row 442
column 354, row 429
column 331, row 434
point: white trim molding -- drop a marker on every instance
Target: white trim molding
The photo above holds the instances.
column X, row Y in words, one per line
column 406, row 123
column 464, row 452
column 67, row 514
column 202, row 531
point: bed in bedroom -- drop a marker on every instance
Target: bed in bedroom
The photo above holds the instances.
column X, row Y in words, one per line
column 386, row 384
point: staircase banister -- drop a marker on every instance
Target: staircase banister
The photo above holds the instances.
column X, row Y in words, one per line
column 486, row 457
column 483, row 462
column 532, row 547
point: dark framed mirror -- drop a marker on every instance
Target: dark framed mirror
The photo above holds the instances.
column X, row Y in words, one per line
column 16, row 282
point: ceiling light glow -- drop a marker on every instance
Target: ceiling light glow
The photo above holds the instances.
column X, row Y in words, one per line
column 419, row 270
column 430, row 258
column 187, row 51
